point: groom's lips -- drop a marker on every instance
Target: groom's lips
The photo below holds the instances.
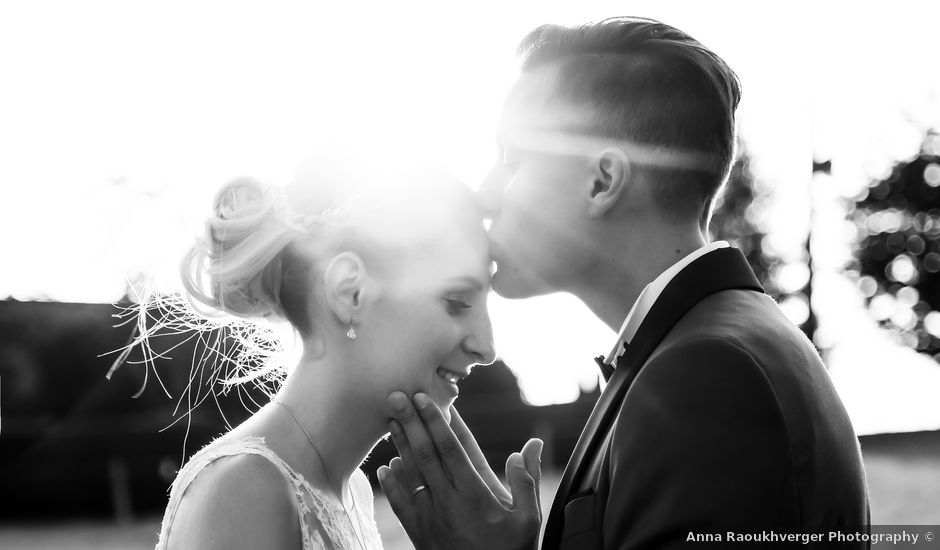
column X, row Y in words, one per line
column 496, row 254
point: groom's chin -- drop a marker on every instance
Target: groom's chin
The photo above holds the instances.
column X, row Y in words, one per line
column 514, row 287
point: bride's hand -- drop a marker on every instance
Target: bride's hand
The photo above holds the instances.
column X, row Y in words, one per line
column 464, row 505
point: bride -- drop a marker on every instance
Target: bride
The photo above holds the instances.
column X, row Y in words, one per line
column 383, row 275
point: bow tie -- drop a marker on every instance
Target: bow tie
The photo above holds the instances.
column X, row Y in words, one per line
column 607, row 369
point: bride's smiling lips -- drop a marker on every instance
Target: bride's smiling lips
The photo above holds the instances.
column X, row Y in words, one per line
column 450, row 378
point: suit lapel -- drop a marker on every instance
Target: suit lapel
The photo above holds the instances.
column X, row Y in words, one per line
column 722, row 269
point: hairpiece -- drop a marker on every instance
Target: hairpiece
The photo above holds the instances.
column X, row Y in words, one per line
column 304, row 223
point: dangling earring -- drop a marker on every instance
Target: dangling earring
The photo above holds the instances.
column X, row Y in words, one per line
column 351, row 333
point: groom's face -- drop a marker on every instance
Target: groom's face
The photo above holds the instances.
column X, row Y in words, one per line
column 533, row 194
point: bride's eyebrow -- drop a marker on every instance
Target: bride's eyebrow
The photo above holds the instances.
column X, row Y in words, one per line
column 472, row 282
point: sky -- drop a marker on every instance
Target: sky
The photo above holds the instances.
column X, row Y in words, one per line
column 118, row 121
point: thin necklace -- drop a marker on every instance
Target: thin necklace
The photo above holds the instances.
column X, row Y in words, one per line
column 352, row 498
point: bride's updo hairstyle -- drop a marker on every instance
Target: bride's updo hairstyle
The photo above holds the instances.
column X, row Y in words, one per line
column 264, row 247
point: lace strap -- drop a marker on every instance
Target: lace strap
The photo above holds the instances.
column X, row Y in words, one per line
column 218, row 449
column 333, row 523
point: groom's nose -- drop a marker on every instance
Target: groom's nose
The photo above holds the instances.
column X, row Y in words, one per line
column 490, row 192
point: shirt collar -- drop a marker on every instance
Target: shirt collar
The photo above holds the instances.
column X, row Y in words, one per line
column 650, row 294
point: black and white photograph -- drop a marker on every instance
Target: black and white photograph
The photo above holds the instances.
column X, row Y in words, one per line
column 471, row 276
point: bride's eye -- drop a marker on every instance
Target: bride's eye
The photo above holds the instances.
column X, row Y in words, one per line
column 456, row 306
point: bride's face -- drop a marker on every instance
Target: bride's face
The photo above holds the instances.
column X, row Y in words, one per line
column 428, row 325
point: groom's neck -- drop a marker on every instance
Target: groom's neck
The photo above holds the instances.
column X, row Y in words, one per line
column 614, row 280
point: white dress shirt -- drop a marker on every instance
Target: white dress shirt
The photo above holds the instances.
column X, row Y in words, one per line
column 650, row 294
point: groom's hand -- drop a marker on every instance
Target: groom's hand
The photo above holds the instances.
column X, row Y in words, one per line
column 464, row 505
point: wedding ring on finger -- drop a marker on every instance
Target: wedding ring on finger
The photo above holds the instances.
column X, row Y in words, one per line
column 418, row 489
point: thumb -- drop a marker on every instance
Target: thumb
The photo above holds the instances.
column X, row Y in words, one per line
column 532, row 456
column 523, row 487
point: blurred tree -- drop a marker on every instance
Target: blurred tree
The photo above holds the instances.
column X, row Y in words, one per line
column 737, row 216
column 898, row 254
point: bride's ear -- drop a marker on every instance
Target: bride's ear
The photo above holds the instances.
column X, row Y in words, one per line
column 345, row 277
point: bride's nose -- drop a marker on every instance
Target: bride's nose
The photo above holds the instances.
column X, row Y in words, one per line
column 478, row 343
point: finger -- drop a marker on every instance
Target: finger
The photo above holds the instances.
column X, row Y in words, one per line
column 399, row 500
column 406, row 460
column 469, row 443
column 532, row 457
column 409, row 485
column 523, row 487
column 448, row 447
column 409, row 479
column 395, row 466
column 422, row 447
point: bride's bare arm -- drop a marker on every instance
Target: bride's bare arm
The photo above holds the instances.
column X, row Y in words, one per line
column 236, row 502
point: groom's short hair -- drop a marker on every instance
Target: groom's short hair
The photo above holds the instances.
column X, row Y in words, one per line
column 652, row 84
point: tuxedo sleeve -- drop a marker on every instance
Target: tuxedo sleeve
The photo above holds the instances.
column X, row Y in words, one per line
column 699, row 446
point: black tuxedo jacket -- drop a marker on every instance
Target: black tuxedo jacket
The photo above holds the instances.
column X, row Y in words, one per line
column 719, row 417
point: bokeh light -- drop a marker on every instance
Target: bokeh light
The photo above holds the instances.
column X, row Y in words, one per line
column 882, row 307
column 868, row 286
column 791, row 277
column 932, row 323
column 796, row 308
column 932, row 174
column 902, row 269
column 908, row 296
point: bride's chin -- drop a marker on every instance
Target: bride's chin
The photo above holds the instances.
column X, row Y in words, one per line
column 443, row 403
column 446, row 412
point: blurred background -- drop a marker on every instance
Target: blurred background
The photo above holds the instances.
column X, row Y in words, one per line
column 119, row 120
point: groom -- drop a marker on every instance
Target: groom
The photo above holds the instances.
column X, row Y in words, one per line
column 718, row 414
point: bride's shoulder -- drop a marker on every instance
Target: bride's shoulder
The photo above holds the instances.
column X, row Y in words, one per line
column 246, row 473
column 237, row 501
column 362, row 488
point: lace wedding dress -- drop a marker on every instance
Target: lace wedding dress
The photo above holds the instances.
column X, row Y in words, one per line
column 323, row 523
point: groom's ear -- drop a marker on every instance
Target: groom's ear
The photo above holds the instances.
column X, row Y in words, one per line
column 344, row 277
column 611, row 178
